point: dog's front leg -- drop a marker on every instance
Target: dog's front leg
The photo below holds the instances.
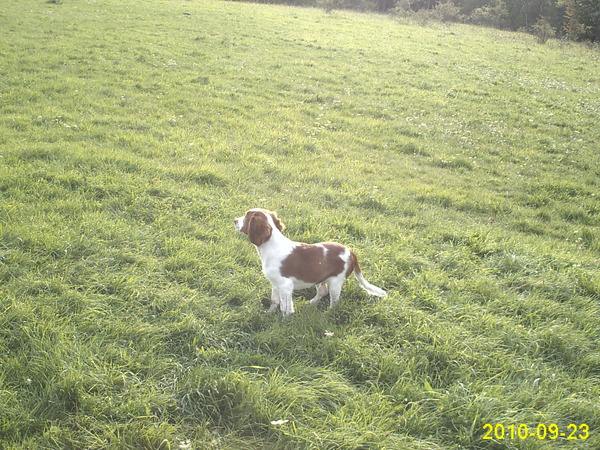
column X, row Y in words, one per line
column 274, row 300
column 286, row 303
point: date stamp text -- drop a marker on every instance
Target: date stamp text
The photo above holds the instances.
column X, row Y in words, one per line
column 541, row 431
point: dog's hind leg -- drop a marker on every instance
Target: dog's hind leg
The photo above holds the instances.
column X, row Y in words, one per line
column 322, row 291
column 335, row 289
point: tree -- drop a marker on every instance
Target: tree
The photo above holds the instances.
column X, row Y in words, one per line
column 583, row 19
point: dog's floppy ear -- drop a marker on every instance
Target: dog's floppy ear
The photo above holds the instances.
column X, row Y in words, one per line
column 259, row 230
column 278, row 223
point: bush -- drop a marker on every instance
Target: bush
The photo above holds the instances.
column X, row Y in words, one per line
column 543, row 30
column 495, row 15
column 443, row 12
column 328, row 5
column 449, row 12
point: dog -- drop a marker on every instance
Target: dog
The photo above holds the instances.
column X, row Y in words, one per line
column 293, row 265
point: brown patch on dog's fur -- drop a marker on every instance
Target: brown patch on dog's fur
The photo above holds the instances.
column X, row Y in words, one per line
column 316, row 263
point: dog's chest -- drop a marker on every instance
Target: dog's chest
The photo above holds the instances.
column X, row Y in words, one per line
column 272, row 259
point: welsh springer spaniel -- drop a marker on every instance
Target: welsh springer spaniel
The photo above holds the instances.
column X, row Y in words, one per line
column 293, row 265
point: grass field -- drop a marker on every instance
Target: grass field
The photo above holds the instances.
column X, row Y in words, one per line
column 461, row 164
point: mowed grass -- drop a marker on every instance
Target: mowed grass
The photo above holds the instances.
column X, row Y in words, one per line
column 461, row 164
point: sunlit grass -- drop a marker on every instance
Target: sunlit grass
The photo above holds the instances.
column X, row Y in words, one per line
column 459, row 163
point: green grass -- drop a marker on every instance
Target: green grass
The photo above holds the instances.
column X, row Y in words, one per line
column 461, row 164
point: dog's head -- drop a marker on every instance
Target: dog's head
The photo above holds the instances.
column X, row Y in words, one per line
column 258, row 225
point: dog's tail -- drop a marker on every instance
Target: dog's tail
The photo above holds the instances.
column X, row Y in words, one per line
column 371, row 289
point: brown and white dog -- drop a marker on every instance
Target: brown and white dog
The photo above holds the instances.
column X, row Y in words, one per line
column 293, row 265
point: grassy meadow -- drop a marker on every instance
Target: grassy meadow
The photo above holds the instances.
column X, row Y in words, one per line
column 461, row 164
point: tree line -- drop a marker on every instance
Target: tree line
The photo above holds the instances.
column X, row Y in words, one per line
column 576, row 19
